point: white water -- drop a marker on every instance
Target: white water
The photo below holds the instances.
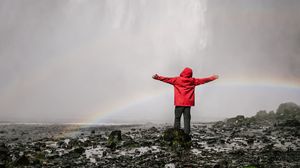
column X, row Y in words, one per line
column 77, row 44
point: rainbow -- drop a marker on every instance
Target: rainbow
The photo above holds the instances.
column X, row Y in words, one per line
column 277, row 82
column 111, row 108
column 232, row 82
column 115, row 107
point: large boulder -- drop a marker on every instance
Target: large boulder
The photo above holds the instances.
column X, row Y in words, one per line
column 237, row 121
column 177, row 138
column 114, row 139
column 263, row 117
column 288, row 111
column 262, row 114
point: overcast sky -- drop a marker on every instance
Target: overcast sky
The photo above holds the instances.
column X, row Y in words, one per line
column 90, row 60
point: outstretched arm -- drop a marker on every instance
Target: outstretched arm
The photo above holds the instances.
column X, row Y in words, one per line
column 199, row 81
column 165, row 79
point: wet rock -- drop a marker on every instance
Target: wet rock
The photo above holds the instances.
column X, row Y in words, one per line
column 289, row 107
column 176, row 138
column 290, row 123
column 153, row 129
column 265, row 139
column 222, row 141
column 238, row 121
column 52, row 156
column 250, row 166
column 61, row 144
column 14, row 139
column 3, row 153
column 114, row 139
column 72, row 143
column 211, row 140
column 221, row 164
column 250, row 141
column 238, row 152
column 262, row 114
column 288, row 111
column 79, row 150
column 219, row 124
column 22, row 161
column 87, row 143
column 170, row 165
column 38, row 146
column 3, row 132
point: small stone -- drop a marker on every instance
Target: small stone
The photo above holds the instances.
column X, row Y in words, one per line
column 221, row 164
column 79, row 150
column 250, row 141
column 170, row 165
column 153, row 129
column 104, row 153
column 3, row 132
column 22, row 161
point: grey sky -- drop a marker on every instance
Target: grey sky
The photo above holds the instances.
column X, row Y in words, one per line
column 72, row 59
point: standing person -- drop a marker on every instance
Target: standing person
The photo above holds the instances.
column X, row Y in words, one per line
column 184, row 88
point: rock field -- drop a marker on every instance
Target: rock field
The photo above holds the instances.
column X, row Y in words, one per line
column 268, row 139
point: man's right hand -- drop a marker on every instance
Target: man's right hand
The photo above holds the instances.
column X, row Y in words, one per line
column 216, row 76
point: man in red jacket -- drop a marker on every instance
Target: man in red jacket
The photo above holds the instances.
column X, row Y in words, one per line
column 184, row 88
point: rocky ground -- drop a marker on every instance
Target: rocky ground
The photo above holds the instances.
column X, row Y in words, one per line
column 269, row 139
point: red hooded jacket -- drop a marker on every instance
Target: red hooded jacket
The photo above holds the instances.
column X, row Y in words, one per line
column 184, row 86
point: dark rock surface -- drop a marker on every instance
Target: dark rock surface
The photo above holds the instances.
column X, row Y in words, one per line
column 177, row 139
column 268, row 139
column 114, row 139
column 4, row 154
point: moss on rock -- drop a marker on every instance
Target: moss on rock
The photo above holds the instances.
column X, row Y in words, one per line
column 177, row 139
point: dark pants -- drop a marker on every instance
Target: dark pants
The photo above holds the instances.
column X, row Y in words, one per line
column 186, row 110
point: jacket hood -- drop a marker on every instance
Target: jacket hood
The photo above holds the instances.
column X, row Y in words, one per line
column 187, row 73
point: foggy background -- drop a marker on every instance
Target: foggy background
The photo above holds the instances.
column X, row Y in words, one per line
column 92, row 61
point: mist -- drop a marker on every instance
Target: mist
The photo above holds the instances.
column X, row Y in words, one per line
column 92, row 61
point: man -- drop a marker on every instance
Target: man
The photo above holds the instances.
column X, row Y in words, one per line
column 184, row 94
